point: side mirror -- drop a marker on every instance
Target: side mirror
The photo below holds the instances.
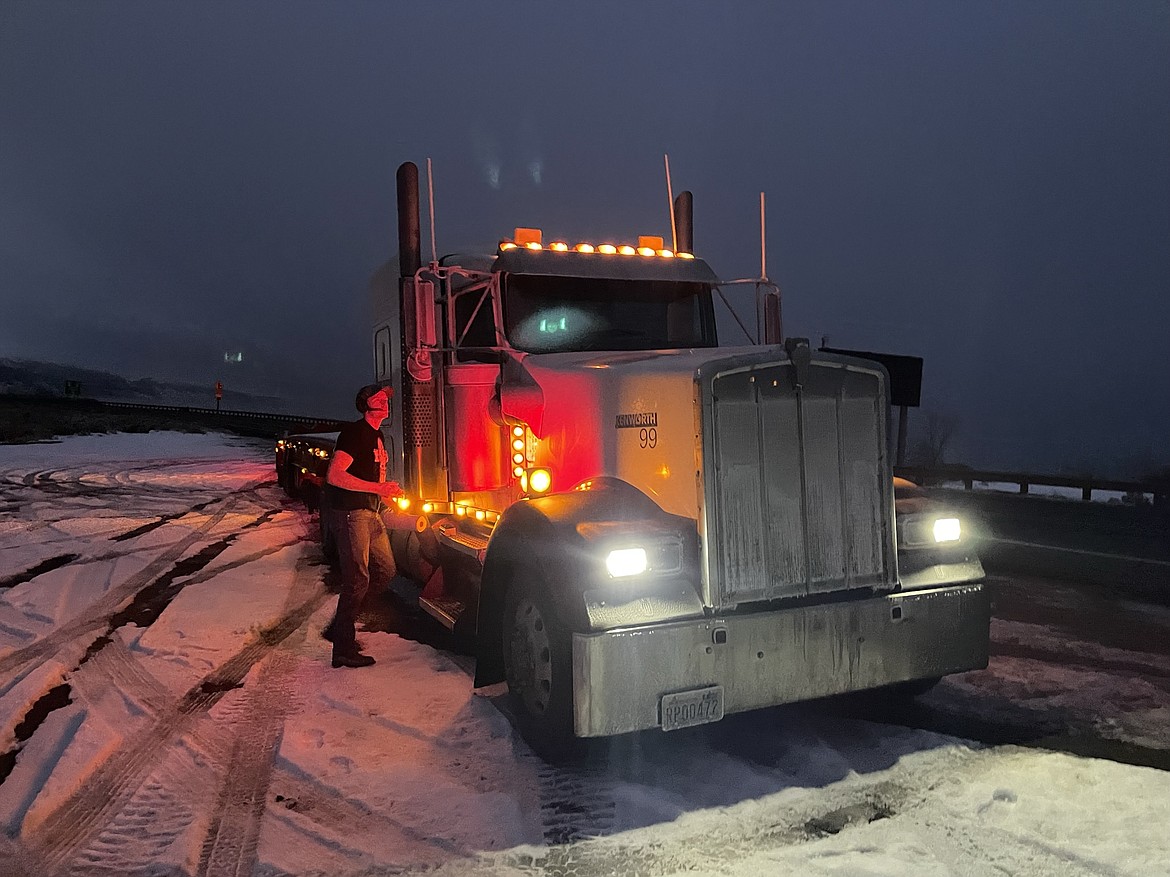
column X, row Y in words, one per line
column 424, row 314
column 418, row 299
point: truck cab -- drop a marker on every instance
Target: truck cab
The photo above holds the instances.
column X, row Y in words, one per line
column 637, row 527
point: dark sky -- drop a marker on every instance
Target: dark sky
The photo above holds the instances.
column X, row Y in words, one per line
column 984, row 184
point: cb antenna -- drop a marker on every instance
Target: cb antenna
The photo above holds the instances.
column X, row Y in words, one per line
column 431, row 196
column 670, row 206
column 763, row 244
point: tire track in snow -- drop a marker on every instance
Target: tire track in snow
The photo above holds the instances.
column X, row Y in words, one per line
column 230, row 846
column 64, row 484
column 96, row 615
column 78, row 560
column 576, row 802
column 81, row 819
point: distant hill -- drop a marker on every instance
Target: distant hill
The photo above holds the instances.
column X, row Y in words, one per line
column 24, row 377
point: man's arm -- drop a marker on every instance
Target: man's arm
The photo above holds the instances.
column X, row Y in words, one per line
column 339, row 475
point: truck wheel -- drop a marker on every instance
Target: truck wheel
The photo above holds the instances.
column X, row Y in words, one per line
column 538, row 667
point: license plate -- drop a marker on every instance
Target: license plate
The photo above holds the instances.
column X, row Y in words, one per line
column 687, row 708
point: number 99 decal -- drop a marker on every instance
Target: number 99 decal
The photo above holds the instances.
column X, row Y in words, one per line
column 648, row 438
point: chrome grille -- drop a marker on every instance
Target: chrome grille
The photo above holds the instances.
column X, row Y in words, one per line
column 796, row 482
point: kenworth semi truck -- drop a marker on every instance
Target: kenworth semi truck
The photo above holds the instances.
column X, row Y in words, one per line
column 635, row 526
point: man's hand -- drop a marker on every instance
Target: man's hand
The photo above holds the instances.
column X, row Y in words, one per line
column 390, row 489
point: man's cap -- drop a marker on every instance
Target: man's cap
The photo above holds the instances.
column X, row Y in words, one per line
column 364, row 394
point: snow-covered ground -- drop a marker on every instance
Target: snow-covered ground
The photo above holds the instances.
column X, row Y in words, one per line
column 178, row 595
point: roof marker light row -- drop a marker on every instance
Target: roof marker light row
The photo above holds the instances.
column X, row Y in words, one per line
column 530, row 239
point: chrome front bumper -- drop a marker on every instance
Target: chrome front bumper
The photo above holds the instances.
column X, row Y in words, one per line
column 768, row 658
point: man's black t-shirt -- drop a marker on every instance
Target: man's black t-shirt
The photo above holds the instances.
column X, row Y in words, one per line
column 364, row 443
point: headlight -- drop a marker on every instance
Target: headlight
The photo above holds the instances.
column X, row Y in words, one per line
column 925, row 531
column 947, row 530
column 626, row 562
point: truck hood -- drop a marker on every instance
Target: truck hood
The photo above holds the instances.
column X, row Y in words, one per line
column 630, row 415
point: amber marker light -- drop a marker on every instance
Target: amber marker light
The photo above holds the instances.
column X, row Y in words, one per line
column 480, row 514
column 686, row 255
column 666, row 254
column 584, row 248
column 518, row 444
column 518, row 472
column 428, row 507
column 559, row 246
column 403, row 503
column 518, row 431
column 460, row 511
column 534, row 245
column 507, row 245
column 626, row 250
column 539, row 480
column 645, row 251
column 517, row 459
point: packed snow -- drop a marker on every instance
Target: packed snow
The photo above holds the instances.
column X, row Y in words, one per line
column 179, row 595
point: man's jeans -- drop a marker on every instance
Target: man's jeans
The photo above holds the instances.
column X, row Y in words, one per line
column 361, row 544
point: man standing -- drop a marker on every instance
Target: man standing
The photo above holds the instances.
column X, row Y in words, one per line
column 355, row 484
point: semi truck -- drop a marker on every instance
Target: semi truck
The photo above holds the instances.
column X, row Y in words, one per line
column 634, row 526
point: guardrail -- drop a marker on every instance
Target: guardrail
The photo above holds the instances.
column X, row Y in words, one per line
column 1158, row 489
column 26, row 417
column 226, row 412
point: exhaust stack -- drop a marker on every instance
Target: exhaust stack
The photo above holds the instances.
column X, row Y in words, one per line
column 684, row 222
column 423, row 455
column 409, row 234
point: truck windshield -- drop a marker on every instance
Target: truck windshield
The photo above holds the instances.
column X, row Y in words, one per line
column 558, row 314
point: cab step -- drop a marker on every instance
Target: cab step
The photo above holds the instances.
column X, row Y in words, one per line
column 446, row 612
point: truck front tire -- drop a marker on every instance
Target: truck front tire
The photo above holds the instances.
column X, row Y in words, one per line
column 538, row 667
